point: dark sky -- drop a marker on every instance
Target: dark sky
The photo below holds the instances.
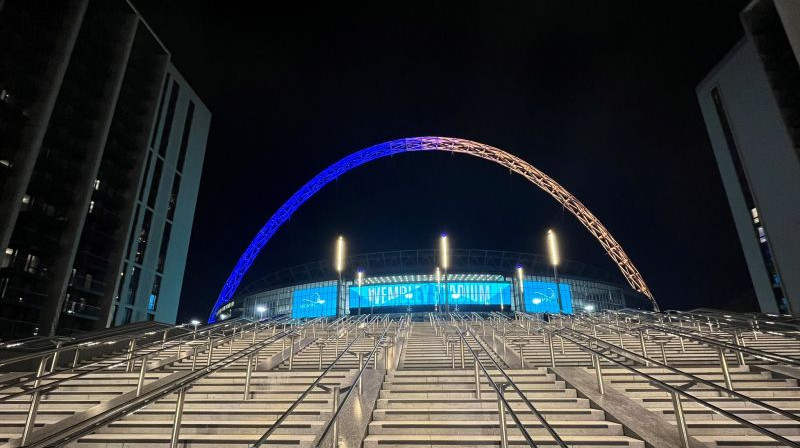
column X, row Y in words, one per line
column 598, row 94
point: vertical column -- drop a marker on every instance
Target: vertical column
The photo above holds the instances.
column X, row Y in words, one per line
column 62, row 266
column 38, row 118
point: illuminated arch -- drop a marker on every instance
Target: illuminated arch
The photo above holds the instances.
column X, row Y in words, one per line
column 519, row 166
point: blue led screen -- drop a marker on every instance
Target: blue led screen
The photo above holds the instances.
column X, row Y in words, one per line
column 411, row 294
column 542, row 297
column 314, row 302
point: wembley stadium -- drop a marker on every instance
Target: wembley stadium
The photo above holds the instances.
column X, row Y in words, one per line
column 408, row 281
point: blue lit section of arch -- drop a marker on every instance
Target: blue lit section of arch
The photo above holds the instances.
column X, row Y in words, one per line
column 415, row 144
column 301, row 196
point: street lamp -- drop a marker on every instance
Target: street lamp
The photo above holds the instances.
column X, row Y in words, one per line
column 520, row 278
column 552, row 245
column 360, row 280
column 438, row 288
column 444, row 252
column 194, row 323
column 261, row 310
column 339, row 269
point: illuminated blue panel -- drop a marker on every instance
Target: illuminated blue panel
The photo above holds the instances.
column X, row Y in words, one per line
column 541, row 297
column 314, row 302
column 412, row 294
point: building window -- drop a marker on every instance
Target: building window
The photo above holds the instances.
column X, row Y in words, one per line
column 749, row 199
column 146, row 173
column 96, row 184
column 8, row 257
column 121, row 280
column 3, row 287
column 91, row 207
column 144, row 234
column 152, row 301
column 160, row 110
column 162, row 252
column 133, row 285
column 133, row 230
column 187, row 129
column 151, row 199
column 173, row 196
column 167, row 129
column 32, row 264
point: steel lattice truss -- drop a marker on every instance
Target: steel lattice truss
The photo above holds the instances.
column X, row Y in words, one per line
column 417, row 261
column 457, row 145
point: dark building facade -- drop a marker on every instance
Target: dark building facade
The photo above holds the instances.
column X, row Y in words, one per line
column 751, row 106
column 101, row 150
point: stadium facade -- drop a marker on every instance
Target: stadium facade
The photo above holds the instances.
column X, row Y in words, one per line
column 403, row 281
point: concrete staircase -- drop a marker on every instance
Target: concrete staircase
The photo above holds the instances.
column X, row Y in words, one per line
column 428, row 403
column 427, row 397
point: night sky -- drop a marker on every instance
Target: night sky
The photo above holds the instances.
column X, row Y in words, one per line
column 597, row 94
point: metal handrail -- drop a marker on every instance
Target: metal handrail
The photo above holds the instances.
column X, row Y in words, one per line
column 511, row 382
column 710, row 341
column 343, row 401
column 750, row 322
column 726, row 345
column 51, row 385
column 672, row 389
column 64, row 348
column 149, row 396
column 305, row 393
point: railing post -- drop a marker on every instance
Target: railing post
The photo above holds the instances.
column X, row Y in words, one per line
column 462, row 351
column 644, row 347
column 77, row 358
column 360, row 366
column 335, row 432
column 291, row 354
column 501, row 410
column 249, row 375
column 142, row 372
column 30, row 420
column 176, row 423
column 663, row 351
column 552, row 353
column 54, row 363
column 210, row 349
column 680, row 419
column 164, row 338
column 131, row 348
column 723, row 362
column 477, row 381
column 737, row 341
column 321, row 346
column 598, row 370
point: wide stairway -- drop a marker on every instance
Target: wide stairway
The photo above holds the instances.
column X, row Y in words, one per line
column 628, row 379
column 427, row 402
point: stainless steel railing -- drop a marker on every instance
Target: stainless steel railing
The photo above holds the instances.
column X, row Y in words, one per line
column 130, row 358
column 503, row 403
column 332, row 425
column 675, row 392
column 150, row 395
column 316, row 383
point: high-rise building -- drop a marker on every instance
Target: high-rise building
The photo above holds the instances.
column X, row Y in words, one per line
column 751, row 106
column 101, row 150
